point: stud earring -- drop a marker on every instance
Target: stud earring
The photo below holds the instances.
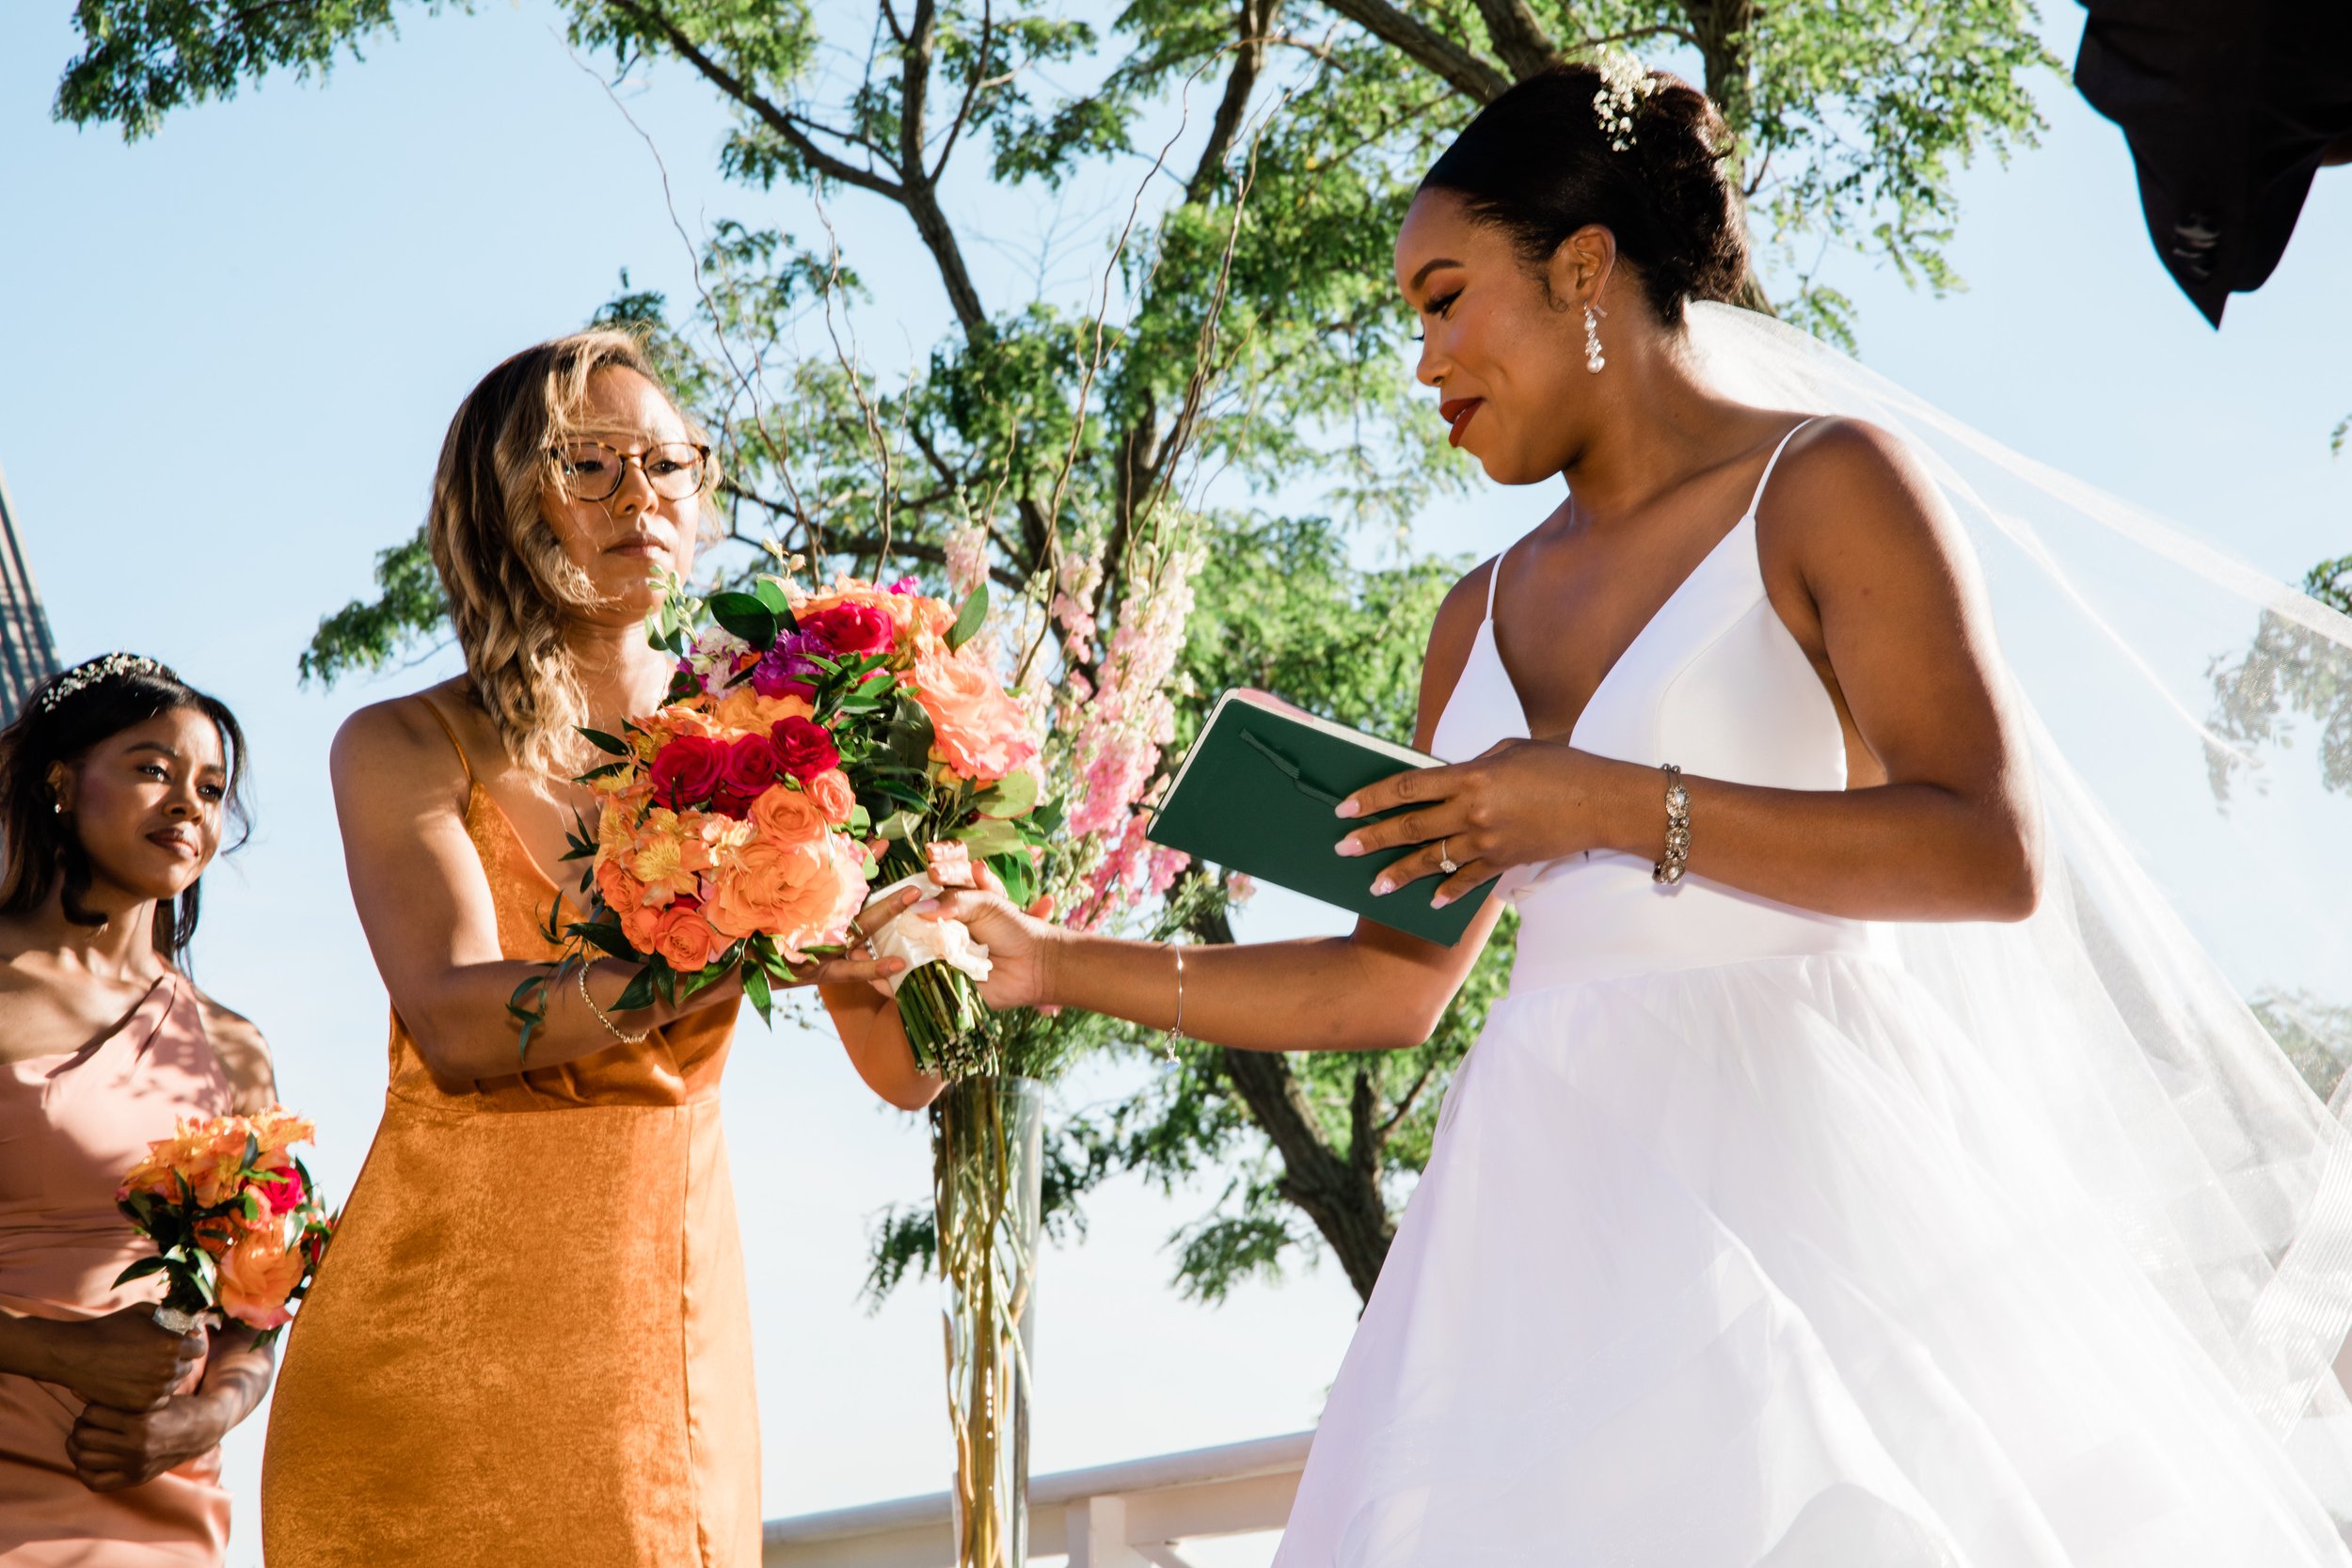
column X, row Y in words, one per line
column 1594, row 361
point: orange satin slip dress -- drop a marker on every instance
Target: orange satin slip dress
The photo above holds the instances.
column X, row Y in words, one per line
column 71, row 1124
column 529, row 1342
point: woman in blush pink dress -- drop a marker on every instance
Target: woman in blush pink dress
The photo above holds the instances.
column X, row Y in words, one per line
column 116, row 783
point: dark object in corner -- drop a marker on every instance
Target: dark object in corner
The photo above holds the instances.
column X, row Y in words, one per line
column 2231, row 106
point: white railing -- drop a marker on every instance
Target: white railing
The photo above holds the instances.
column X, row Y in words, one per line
column 1123, row 1516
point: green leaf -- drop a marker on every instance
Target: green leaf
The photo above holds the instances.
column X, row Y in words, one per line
column 770, row 593
column 755, row 988
column 746, row 617
column 969, row 619
column 638, row 994
column 604, row 742
column 1014, row 795
column 1019, row 874
column 141, row 1269
column 990, row 835
column 898, row 825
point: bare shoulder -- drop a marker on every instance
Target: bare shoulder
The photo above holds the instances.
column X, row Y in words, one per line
column 1851, row 495
column 243, row 1050
column 396, row 746
column 1452, row 633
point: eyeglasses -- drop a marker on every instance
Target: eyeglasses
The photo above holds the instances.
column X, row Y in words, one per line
column 592, row 471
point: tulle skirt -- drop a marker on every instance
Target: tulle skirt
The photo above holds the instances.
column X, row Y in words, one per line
column 1760, row 1265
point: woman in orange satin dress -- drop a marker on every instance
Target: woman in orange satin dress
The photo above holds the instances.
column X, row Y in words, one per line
column 529, row 1342
column 116, row 783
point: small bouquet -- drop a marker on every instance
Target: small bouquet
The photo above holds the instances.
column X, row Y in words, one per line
column 236, row 1220
column 813, row 743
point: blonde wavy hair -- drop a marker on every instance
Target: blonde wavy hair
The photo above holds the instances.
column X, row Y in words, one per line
column 511, row 588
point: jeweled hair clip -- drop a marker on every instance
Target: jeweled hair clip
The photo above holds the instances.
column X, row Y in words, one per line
column 105, row 666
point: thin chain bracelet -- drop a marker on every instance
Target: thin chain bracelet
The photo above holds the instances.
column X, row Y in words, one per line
column 611, row 1028
column 1669, row 871
column 1175, row 1030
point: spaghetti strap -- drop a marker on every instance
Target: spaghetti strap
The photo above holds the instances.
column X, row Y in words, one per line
column 1494, row 574
column 448, row 729
column 1758, row 500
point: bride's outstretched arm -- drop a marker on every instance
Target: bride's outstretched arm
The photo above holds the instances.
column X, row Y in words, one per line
column 1867, row 570
column 1376, row 989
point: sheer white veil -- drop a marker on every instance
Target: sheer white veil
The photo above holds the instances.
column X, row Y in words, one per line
column 2198, row 859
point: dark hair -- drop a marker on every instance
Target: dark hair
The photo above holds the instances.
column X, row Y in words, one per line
column 66, row 714
column 1540, row 164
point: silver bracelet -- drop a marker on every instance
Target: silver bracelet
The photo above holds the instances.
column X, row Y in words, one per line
column 1175, row 1030
column 610, row 1027
column 1669, row 870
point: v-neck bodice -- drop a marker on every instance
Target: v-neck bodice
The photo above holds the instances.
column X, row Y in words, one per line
column 1714, row 683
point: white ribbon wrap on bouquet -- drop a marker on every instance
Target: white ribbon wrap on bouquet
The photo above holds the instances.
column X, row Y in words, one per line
column 920, row 941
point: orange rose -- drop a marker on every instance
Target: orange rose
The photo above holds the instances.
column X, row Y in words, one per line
column 686, row 939
column 831, row 795
column 977, row 730
column 255, row 1278
column 802, row 894
column 785, row 815
column 621, row 890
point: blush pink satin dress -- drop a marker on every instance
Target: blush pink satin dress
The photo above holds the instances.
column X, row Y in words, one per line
column 71, row 1125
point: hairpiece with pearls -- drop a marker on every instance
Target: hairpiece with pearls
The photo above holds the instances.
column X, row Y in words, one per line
column 107, row 667
column 1624, row 83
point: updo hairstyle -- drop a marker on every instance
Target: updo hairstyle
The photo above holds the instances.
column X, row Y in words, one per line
column 1642, row 155
column 66, row 716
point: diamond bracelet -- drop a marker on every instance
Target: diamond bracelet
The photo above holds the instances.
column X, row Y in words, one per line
column 1669, row 870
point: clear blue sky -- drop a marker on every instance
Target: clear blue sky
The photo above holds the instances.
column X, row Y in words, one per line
column 230, row 355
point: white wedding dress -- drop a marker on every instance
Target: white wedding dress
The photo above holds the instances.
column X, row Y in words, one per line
column 1744, row 1246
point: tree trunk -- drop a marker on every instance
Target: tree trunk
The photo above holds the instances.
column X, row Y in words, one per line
column 1339, row 1190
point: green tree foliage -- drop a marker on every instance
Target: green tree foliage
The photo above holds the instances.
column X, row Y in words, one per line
column 1241, row 329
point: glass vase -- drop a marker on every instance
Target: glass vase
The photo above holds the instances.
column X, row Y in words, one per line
column 986, row 1145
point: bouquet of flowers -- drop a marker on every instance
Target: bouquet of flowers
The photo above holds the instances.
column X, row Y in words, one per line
column 236, row 1220
column 815, row 742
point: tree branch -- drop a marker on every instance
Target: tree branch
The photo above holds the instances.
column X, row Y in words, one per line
column 767, row 112
column 1470, row 75
column 1255, row 21
column 971, row 89
column 1518, row 39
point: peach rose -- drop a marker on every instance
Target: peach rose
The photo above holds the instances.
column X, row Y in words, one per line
column 744, row 711
column 831, row 794
column 978, row 731
column 802, row 894
column 255, row 1278
column 783, row 814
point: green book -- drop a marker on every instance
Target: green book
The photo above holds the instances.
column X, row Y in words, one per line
column 1256, row 793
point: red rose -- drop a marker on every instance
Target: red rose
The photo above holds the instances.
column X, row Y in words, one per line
column 687, row 769
column 850, row 629
column 805, row 747
column 283, row 1190
column 752, row 765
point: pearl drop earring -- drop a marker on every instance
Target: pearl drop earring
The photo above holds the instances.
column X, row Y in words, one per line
column 1594, row 361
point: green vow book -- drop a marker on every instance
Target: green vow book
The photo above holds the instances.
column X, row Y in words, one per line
column 1256, row 796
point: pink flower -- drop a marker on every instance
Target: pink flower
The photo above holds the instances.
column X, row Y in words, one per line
column 849, row 630
column 975, row 725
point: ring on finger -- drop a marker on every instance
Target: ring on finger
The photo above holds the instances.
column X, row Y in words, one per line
column 1445, row 862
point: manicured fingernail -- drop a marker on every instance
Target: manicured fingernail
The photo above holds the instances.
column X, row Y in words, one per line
column 1442, row 900
column 1349, row 847
column 1346, row 808
column 1383, row 886
column 925, row 907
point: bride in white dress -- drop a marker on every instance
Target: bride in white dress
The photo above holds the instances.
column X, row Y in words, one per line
column 1894, row 1188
